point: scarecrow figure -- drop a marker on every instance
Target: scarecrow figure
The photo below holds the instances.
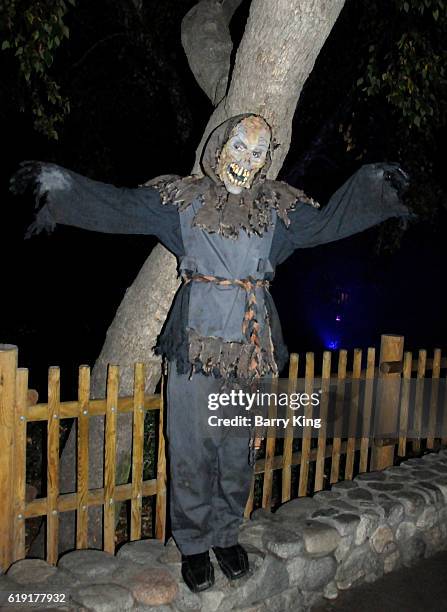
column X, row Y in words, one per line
column 229, row 230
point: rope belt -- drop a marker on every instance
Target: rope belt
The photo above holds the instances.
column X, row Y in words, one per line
column 250, row 325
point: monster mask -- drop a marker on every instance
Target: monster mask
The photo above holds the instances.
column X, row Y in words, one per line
column 244, row 154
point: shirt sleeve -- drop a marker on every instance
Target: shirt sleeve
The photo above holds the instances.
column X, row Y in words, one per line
column 71, row 199
column 368, row 198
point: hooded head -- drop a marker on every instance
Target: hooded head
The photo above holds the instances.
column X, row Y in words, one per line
column 238, row 152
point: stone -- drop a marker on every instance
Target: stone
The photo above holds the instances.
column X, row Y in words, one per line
column 319, row 538
column 385, row 486
column 352, row 568
column 269, row 579
column 369, row 520
column 392, row 558
column 283, row 543
column 143, row 552
column 373, row 566
column 103, row 597
column 441, row 484
column 31, row 570
column 300, row 508
column 405, row 531
column 330, row 591
column 425, row 474
column 341, row 504
column 434, row 539
column 427, row 519
column 345, row 523
column 436, row 495
column 324, row 512
column 413, row 503
column 310, row 574
column 171, row 554
column 344, row 548
column 371, row 477
column 253, row 534
column 153, row 587
column 89, row 564
column 381, row 537
column 186, row 601
column 412, row 551
column 211, row 599
column 394, row 512
column 345, row 485
column 360, row 494
column 327, row 497
column 291, row 599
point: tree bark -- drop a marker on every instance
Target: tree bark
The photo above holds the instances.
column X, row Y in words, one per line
column 281, row 42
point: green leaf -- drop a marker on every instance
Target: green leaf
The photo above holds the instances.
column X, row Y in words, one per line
column 5, row 45
column 406, row 7
column 436, row 14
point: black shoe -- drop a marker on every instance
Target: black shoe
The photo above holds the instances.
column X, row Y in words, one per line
column 198, row 571
column 233, row 561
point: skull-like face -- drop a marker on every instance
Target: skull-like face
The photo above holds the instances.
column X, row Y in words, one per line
column 244, row 154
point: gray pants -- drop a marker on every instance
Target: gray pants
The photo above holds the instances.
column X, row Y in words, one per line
column 209, row 467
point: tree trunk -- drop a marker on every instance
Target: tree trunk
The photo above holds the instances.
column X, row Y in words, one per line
column 281, row 42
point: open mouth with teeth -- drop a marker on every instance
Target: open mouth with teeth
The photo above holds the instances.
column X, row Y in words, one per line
column 237, row 175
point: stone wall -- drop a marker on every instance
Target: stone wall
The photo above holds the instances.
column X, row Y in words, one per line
column 310, row 549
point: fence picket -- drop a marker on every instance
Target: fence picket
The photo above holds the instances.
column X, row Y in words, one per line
column 19, row 477
column 110, row 458
column 353, row 413
column 288, row 437
column 307, row 431
column 83, row 436
column 417, row 423
column 137, row 452
column 270, row 446
column 432, row 419
column 160, row 501
column 336, row 444
column 404, row 404
column 367, row 407
column 321, row 452
column 53, row 464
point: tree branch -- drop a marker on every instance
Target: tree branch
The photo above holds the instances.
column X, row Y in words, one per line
column 207, row 43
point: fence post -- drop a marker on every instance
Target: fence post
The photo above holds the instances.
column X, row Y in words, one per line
column 8, row 368
column 387, row 412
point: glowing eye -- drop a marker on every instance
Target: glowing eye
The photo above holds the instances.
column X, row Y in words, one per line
column 256, row 154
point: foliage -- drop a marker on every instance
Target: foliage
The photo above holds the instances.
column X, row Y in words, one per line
column 33, row 31
column 407, row 64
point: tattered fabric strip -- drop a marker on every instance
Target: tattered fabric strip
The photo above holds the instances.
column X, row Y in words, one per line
column 225, row 213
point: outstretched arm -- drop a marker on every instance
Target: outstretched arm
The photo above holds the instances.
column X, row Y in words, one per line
column 67, row 198
column 369, row 197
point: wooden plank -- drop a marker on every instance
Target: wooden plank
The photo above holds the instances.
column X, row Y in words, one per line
column 286, row 491
column 83, row 440
column 444, row 414
column 433, row 414
column 324, row 402
column 418, row 401
column 338, row 423
column 110, row 458
column 270, row 446
column 137, row 452
column 69, row 501
column 53, row 430
column 429, row 364
column 307, row 431
column 251, row 497
column 8, row 368
column 70, row 410
column 19, row 474
column 404, row 404
column 160, row 501
column 353, row 414
column 367, row 407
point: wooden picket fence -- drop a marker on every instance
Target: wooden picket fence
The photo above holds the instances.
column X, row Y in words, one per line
column 321, row 461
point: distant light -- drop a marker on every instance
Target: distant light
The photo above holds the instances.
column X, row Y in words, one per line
column 338, row 318
column 333, row 344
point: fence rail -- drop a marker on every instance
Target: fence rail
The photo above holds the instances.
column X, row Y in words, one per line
column 322, row 460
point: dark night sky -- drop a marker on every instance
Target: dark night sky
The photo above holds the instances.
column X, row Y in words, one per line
column 59, row 293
